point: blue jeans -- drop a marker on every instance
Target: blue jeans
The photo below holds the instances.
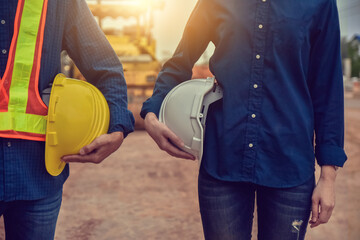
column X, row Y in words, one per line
column 30, row 220
column 227, row 209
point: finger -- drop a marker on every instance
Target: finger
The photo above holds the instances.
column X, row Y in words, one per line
column 315, row 224
column 78, row 158
column 92, row 146
column 176, row 145
column 173, row 138
column 96, row 156
column 325, row 214
column 314, row 212
column 174, row 151
column 165, row 145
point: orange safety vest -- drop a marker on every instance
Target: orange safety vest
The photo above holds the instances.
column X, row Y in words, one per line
column 21, row 109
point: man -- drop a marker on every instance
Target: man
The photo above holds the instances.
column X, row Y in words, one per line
column 279, row 65
column 30, row 197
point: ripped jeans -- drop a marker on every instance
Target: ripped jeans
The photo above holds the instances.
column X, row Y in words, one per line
column 227, row 209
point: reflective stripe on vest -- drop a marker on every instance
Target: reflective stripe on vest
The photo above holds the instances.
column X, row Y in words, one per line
column 21, row 109
column 24, row 122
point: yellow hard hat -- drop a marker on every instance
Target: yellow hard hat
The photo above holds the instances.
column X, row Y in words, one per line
column 77, row 114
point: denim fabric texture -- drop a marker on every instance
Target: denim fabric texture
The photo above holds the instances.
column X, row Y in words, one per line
column 69, row 26
column 227, row 209
column 279, row 65
column 30, row 220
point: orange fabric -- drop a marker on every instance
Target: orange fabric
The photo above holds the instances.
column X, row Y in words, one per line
column 22, row 135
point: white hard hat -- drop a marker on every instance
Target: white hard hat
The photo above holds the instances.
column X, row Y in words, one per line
column 184, row 111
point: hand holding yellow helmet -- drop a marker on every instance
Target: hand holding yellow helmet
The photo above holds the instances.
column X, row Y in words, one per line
column 78, row 113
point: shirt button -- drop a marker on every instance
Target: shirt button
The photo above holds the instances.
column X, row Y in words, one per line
column 3, row 22
column 261, row 26
column 257, row 56
column 4, row 51
column 253, row 115
column 251, row 145
column 256, row 86
column 9, row 144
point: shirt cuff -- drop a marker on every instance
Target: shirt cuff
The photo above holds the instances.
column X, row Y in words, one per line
column 122, row 121
column 330, row 155
column 151, row 105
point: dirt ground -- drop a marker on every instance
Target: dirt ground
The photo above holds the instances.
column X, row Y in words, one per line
column 142, row 193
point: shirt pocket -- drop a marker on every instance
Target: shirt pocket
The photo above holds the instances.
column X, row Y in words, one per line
column 288, row 34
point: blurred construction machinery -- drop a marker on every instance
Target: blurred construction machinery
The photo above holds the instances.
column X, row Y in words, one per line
column 128, row 25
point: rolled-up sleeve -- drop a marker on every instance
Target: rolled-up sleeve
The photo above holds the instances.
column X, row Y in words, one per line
column 87, row 45
column 326, row 88
column 177, row 69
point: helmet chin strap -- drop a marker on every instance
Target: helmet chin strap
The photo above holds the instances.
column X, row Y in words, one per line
column 214, row 95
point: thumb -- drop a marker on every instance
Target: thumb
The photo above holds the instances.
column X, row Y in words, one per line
column 173, row 138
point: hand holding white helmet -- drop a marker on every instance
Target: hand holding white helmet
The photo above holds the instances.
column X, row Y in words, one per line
column 184, row 111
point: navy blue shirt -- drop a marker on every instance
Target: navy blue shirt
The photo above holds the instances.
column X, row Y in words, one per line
column 278, row 62
column 69, row 26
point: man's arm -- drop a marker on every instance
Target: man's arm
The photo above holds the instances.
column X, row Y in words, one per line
column 88, row 47
column 326, row 88
column 196, row 37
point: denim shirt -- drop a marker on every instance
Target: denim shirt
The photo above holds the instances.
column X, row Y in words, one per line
column 278, row 62
column 69, row 26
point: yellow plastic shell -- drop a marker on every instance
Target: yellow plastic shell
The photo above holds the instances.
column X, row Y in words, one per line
column 78, row 113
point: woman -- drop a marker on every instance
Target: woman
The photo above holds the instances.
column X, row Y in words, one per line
column 279, row 65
